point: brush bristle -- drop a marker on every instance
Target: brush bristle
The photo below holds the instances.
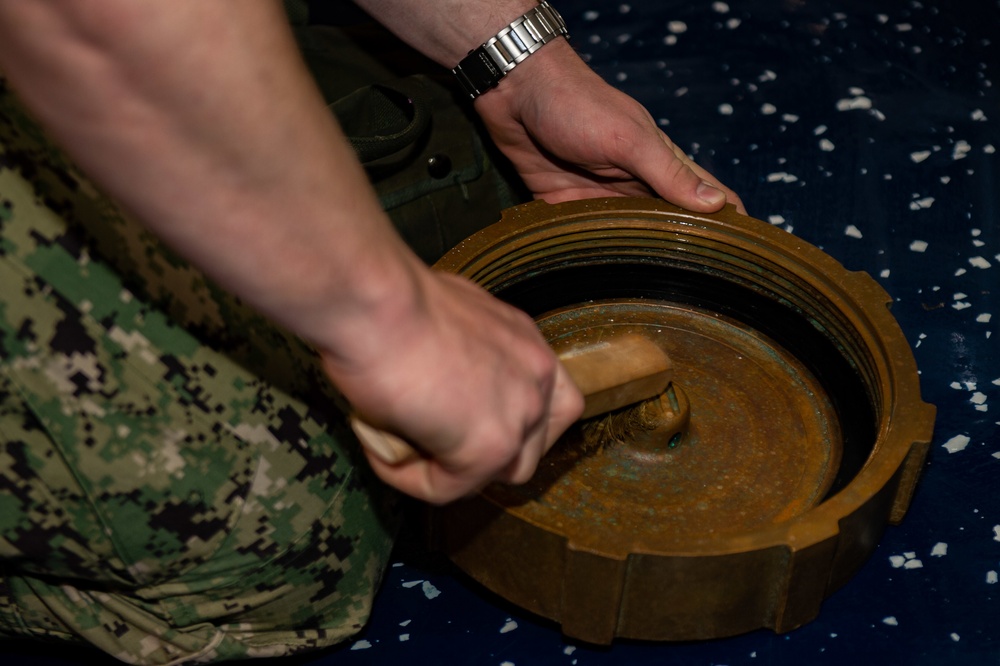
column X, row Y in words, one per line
column 622, row 425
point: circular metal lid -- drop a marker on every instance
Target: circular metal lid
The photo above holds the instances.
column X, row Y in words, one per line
column 759, row 483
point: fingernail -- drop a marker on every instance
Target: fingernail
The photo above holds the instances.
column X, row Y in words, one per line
column 709, row 193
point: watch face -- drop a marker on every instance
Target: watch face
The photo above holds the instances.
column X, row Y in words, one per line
column 478, row 72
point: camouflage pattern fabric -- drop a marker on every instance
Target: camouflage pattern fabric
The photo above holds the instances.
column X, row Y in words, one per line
column 177, row 481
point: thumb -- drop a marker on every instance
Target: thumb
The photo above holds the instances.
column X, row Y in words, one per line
column 676, row 178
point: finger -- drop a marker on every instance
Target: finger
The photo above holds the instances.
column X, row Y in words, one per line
column 523, row 466
column 424, row 479
column 676, row 178
column 565, row 407
column 731, row 196
column 679, row 181
column 533, row 445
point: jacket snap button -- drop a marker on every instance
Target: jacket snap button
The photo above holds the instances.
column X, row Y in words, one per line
column 438, row 166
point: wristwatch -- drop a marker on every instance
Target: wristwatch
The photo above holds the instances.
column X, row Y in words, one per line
column 483, row 68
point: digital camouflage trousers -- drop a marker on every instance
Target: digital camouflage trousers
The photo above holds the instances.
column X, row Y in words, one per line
column 177, row 480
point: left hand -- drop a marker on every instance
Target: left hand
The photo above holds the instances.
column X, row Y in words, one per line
column 571, row 136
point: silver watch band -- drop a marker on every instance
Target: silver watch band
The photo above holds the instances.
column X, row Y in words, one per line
column 483, row 68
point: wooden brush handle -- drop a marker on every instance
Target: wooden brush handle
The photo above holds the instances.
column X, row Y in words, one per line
column 610, row 374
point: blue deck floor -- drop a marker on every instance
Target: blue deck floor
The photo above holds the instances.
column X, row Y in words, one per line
column 870, row 129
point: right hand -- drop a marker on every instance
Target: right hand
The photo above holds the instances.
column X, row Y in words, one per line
column 466, row 379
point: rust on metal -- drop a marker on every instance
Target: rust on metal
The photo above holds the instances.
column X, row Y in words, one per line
column 791, row 433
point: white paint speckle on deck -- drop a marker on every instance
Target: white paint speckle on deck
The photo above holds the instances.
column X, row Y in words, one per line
column 509, row 625
column 781, row 177
column 956, row 443
column 907, row 560
column 850, row 104
column 429, row 590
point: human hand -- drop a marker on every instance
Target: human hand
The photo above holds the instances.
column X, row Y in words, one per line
column 572, row 136
column 465, row 378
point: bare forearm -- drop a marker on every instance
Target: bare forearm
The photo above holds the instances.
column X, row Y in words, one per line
column 445, row 30
column 200, row 119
